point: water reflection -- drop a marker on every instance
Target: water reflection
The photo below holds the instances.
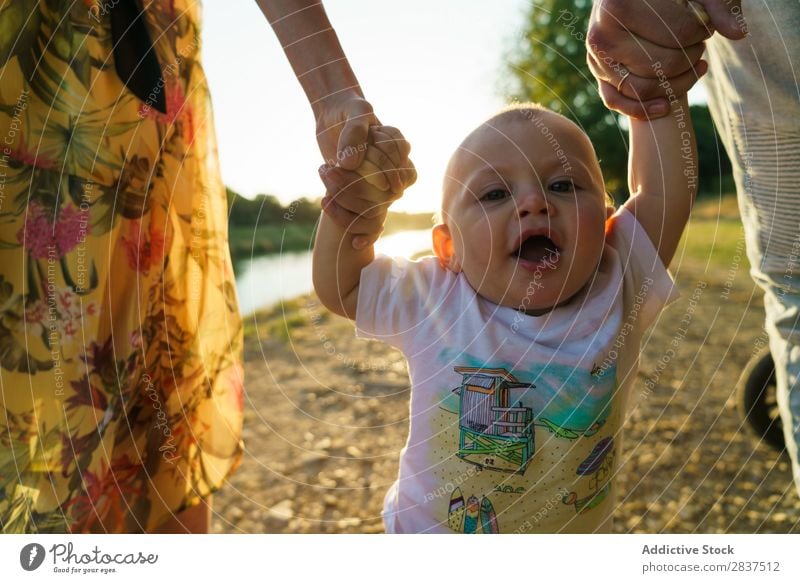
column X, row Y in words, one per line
column 264, row 280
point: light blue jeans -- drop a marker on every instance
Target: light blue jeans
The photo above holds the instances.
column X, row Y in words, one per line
column 755, row 102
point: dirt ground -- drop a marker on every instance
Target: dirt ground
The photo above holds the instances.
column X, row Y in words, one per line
column 326, row 417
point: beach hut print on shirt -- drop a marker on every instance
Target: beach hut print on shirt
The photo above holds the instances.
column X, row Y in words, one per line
column 495, row 428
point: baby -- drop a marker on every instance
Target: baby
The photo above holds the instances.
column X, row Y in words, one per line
column 522, row 333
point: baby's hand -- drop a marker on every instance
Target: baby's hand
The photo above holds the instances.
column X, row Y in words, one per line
column 386, row 165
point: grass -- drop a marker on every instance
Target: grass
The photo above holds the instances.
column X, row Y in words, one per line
column 714, row 236
column 278, row 321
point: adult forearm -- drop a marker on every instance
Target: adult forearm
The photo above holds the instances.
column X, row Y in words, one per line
column 312, row 48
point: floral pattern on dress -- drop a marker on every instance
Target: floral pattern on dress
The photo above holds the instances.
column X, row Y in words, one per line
column 121, row 369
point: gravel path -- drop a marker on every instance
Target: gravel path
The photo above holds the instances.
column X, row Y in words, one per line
column 326, row 417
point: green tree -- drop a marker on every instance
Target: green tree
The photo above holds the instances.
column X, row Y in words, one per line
column 304, row 211
column 265, row 209
column 268, row 210
column 548, row 66
column 239, row 211
column 716, row 175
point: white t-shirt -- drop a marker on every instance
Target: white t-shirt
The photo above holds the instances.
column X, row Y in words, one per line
column 515, row 420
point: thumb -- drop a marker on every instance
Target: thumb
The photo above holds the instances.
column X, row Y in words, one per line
column 352, row 145
column 726, row 17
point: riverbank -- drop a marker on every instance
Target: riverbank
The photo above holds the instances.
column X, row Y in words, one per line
column 327, row 414
column 248, row 241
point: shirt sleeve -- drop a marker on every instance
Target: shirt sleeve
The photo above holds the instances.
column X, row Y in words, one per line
column 396, row 295
column 648, row 286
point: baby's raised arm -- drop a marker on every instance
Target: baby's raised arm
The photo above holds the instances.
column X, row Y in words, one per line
column 662, row 175
column 359, row 203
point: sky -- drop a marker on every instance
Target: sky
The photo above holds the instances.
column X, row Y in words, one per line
column 432, row 68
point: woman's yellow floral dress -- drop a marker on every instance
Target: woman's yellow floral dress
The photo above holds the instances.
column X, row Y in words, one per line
column 120, row 336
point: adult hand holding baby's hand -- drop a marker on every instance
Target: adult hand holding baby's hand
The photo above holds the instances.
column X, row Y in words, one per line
column 349, row 190
column 359, row 201
column 386, row 165
column 633, row 46
column 347, row 127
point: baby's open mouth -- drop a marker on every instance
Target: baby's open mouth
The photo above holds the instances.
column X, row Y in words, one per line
column 538, row 249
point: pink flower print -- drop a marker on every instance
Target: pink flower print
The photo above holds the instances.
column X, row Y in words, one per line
column 143, row 250
column 135, row 338
column 35, row 312
column 68, row 329
column 235, row 387
column 179, row 111
column 71, row 228
column 65, row 300
column 71, row 313
column 42, row 238
column 37, row 233
column 21, row 153
column 63, row 310
column 175, row 100
column 104, row 502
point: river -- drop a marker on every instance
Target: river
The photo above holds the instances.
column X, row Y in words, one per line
column 266, row 279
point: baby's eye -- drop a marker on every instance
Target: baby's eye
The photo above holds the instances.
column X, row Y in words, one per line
column 496, row 194
column 562, row 186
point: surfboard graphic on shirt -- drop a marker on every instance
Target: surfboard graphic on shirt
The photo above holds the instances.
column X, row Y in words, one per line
column 472, row 515
column 455, row 515
column 488, row 517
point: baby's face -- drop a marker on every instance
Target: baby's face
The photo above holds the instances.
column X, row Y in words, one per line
column 525, row 207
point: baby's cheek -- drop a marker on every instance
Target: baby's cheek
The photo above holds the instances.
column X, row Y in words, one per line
column 592, row 228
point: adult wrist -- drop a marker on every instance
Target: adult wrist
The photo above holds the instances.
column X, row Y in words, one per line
column 331, row 88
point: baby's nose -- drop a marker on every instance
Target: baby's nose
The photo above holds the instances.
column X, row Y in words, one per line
column 533, row 201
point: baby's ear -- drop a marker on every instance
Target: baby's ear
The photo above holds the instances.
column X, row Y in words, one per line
column 443, row 248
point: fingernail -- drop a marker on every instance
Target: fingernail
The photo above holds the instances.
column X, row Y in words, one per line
column 359, row 242
column 329, row 177
column 657, row 108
